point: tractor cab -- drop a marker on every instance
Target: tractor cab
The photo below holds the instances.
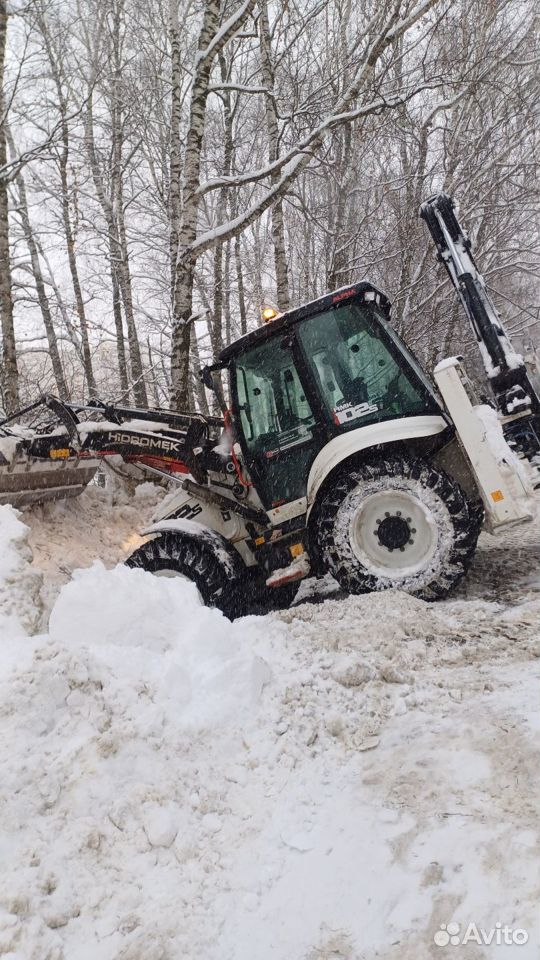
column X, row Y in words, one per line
column 332, row 366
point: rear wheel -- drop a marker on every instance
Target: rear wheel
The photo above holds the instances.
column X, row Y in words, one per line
column 397, row 523
column 172, row 555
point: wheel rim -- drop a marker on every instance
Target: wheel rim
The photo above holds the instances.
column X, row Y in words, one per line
column 171, row 573
column 393, row 533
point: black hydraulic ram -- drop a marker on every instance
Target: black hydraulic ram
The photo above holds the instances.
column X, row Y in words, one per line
column 515, row 394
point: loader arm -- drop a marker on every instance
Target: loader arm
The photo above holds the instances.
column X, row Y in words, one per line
column 57, row 454
column 516, row 397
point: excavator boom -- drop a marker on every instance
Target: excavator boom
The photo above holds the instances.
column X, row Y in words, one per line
column 516, row 397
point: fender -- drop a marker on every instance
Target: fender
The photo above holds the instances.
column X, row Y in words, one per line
column 376, row 434
column 184, row 507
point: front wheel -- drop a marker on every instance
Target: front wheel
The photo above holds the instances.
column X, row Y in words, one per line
column 173, row 555
column 396, row 524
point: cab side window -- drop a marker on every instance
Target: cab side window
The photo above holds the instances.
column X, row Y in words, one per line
column 271, row 399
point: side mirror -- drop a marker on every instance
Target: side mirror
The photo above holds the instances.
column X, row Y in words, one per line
column 207, row 379
column 206, row 375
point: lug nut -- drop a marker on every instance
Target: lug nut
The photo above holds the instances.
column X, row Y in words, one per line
column 413, row 529
column 410, row 541
column 402, row 549
column 398, row 514
column 387, row 514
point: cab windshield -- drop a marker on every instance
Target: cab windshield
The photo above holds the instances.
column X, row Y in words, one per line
column 361, row 370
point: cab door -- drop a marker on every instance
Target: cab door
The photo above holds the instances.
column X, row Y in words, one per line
column 280, row 436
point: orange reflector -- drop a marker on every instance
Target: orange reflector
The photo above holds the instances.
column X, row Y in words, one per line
column 497, row 495
column 296, row 550
column 259, row 541
column 60, row 454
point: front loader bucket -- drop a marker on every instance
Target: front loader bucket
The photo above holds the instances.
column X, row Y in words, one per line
column 51, row 449
column 28, row 480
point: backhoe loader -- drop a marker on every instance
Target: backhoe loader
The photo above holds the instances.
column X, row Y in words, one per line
column 337, row 454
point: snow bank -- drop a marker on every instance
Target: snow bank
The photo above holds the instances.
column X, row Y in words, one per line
column 20, row 606
column 154, row 630
column 100, row 524
column 110, row 730
column 166, row 795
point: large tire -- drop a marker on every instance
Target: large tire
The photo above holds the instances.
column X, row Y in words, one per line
column 173, row 554
column 397, row 524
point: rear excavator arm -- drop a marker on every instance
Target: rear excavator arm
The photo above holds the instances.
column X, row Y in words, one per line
column 516, row 397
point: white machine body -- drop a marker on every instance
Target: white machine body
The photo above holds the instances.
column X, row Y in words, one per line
column 500, row 476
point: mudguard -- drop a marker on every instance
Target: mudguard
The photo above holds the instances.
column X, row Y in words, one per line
column 376, row 434
column 183, row 512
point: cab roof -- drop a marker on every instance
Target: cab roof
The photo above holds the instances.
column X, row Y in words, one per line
column 355, row 291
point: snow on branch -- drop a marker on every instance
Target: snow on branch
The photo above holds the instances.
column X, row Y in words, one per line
column 240, row 88
column 341, row 112
column 225, row 33
column 297, row 160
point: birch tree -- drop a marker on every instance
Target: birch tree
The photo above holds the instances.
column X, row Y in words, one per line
column 10, row 374
column 272, row 126
column 41, row 291
column 54, row 44
column 366, row 94
column 212, row 39
column 177, row 164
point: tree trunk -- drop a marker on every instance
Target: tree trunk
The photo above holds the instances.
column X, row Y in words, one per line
column 43, row 300
column 71, row 330
column 185, row 265
column 240, row 283
column 175, row 156
column 137, row 371
column 118, row 323
column 113, row 244
column 338, row 206
column 227, row 292
column 181, row 333
column 211, row 42
column 217, row 318
column 152, row 378
column 198, row 384
column 123, row 272
column 278, row 226
column 10, row 373
column 72, row 258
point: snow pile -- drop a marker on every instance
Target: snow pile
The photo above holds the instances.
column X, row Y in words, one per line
column 154, row 631
column 110, row 728
column 20, row 607
column 100, row 524
column 333, row 781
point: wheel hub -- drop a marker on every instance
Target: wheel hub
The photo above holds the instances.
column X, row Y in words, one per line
column 394, row 532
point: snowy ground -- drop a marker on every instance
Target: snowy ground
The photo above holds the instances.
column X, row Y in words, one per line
column 333, row 781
